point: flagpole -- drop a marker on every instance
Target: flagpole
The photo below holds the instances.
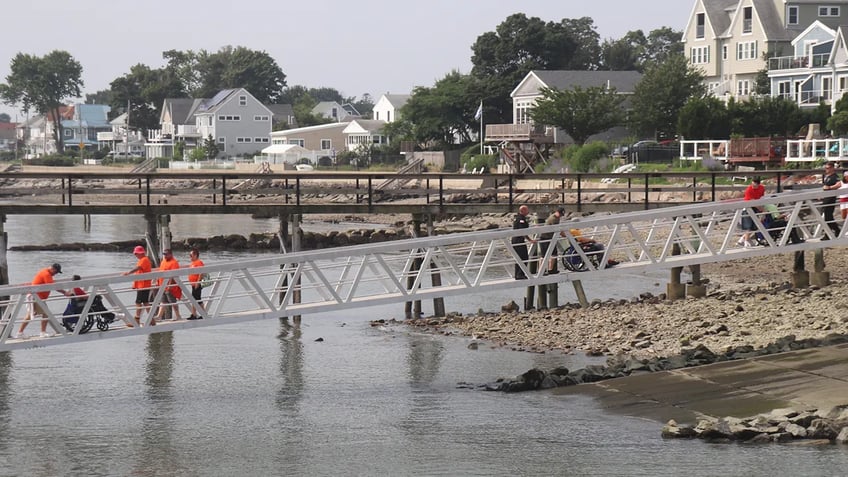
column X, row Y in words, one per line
column 481, row 128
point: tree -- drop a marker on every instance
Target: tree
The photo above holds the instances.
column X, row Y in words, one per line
column 662, row 44
column 579, row 112
column 43, row 84
column 104, row 96
column 519, row 45
column 624, row 54
column 210, row 148
column 838, row 122
column 145, row 90
column 661, row 93
column 704, row 118
column 203, row 74
column 445, row 111
column 5, row 118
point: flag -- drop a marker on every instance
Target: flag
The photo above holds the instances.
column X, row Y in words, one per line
column 479, row 113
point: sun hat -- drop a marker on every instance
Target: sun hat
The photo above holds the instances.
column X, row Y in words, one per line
column 138, row 249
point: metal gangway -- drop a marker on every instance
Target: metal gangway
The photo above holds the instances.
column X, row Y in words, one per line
column 275, row 286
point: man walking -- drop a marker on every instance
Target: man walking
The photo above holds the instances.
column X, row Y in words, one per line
column 141, row 287
column 519, row 242
column 34, row 307
column 830, row 181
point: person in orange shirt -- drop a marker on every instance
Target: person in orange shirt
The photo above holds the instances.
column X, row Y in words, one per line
column 194, row 280
column 173, row 292
column 34, row 307
column 141, row 287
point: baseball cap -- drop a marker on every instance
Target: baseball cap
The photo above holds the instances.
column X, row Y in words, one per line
column 138, row 249
column 561, row 211
column 167, row 251
column 57, row 267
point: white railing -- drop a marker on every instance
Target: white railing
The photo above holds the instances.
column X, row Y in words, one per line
column 348, row 277
column 699, row 149
column 811, row 150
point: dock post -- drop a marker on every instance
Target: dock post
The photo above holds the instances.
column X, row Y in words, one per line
column 581, row 295
column 165, row 222
column 533, row 268
column 542, row 298
column 819, row 277
column 283, row 234
column 800, row 277
column 296, row 235
column 553, row 295
column 412, row 310
column 675, row 290
column 153, row 237
column 4, row 263
column 435, row 275
column 696, row 288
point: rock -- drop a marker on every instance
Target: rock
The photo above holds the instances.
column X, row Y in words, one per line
column 672, row 430
column 842, row 437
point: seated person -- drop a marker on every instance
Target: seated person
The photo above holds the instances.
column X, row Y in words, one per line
column 75, row 304
column 776, row 222
column 590, row 246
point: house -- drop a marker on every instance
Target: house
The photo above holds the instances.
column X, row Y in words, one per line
column 79, row 126
column 729, row 39
column 364, row 132
column 388, row 107
column 322, row 139
column 121, row 139
column 238, row 123
column 335, row 111
column 282, row 116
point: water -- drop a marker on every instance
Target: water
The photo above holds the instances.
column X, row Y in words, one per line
column 266, row 398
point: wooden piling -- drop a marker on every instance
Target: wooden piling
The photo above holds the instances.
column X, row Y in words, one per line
column 296, row 236
column 435, row 275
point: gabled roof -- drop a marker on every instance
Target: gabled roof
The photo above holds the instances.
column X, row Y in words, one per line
column 181, row 109
column 364, row 125
column 8, row 126
column 306, row 129
column 816, row 25
column 397, row 100
column 210, row 105
column 718, row 13
column 351, row 109
column 282, row 110
column 622, row 81
column 770, row 20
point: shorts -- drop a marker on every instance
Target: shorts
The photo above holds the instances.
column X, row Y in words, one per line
column 142, row 297
column 34, row 309
column 748, row 223
column 196, row 292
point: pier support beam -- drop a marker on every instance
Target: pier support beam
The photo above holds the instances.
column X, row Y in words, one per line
column 412, row 309
column 819, row 277
column 675, row 290
column 581, row 295
column 152, row 237
column 296, row 236
column 800, row 278
column 435, row 275
column 4, row 263
column 696, row 289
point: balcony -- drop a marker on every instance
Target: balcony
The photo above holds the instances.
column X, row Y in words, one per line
column 517, row 132
column 797, row 62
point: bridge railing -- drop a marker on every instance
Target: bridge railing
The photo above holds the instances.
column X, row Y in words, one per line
column 272, row 286
column 360, row 191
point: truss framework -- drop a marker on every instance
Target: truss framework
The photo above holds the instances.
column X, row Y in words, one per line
column 401, row 271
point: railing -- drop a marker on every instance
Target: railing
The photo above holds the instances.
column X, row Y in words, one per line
column 274, row 286
column 698, row 150
column 315, row 192
column 810, row 150
column 796, row 62
column 500, row 132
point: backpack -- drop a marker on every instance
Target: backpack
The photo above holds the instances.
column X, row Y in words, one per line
column 205, row 280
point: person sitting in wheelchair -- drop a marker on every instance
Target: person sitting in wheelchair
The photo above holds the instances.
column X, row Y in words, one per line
column 591, row 248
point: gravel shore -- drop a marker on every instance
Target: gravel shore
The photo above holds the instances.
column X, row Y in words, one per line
column 749, row 302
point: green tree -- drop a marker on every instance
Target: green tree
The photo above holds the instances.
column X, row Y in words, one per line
column 104, row 96
column 145, row 90
column 203, row 74
column 662, row 44
column 519, row 45
column 762, row 85
column 704, row 118
column 838, row 122
column 579, row 112
column 5, row 118
column 635, row 51
column 210, row 148
column 43, row 84
column 661, row 93
column 445, row 111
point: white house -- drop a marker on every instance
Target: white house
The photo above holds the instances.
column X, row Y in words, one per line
column 388, row 107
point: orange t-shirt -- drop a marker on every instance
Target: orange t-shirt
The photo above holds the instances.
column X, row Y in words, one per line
column 43, row 278
column 195, row 277
column 171, row 264
column 143, row 265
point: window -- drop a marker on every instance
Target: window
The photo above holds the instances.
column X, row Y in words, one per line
column 377, row 115
column 747, row 19
column 242, row 100
column 746, row 50
column 228, row 118
column 792, row 16
column 828, row 11
column 243, row 139
column 326, row 144
column 69, row 133
column 700, row 55
column 522, row 112
column 700, row 22
column 784, row 90
column 334, row 113
column 843, row 83
column 827, row 86
column 261, row 139
column 388, row 116
column 261, row 118
column 743, row 88
column 724, row 52
column 297, row 142
column 222, row 140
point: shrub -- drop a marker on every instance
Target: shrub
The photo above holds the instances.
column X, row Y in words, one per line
column 585, row 158
column 486, row 161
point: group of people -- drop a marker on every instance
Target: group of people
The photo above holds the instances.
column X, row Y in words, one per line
column 169, row 307
column 522, row 243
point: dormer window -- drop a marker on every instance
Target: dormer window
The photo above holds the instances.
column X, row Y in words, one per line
column 699, row 25
column 242, row 100
column 747, row 19
column 828, row 11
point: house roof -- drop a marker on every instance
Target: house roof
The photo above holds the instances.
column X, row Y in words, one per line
column 306, row 129
column 364, row 125
column 209, row 105
column 397, row 100
column 283, row 149
column 182, row 109
column 770, row 20
column 718, row 14
column 622, row 81
column 282, row 111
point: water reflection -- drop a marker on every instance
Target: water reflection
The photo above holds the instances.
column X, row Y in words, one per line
column 290, row 394
column 427, row 406
column 5, row 398
column 158, row 449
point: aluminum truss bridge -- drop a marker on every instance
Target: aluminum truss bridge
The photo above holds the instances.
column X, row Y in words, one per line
column 402, row 271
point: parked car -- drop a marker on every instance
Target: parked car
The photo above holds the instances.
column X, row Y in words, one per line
column 652, row 151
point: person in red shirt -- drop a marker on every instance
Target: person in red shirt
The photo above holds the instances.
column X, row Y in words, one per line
column 141, row 287
column 35, row 307
column 194, row 281
column 754, row 191
column 173, row 292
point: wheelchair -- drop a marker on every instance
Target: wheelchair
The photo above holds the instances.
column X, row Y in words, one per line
column 572, row 260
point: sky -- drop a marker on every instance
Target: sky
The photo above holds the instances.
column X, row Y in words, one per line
column 366, row 46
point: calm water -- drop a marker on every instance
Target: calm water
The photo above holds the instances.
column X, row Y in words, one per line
column 265, row 398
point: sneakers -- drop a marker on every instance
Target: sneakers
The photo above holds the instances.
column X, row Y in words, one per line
column 45, row 334
column 192, row 317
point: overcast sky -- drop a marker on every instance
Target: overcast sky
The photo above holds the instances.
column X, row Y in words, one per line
column 356, row 47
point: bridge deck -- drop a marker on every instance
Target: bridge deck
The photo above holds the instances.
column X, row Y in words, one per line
column 402, row 271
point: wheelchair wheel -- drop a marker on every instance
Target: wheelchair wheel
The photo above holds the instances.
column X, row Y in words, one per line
column 87, row 324
column 102, row 325
column 572, row 261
